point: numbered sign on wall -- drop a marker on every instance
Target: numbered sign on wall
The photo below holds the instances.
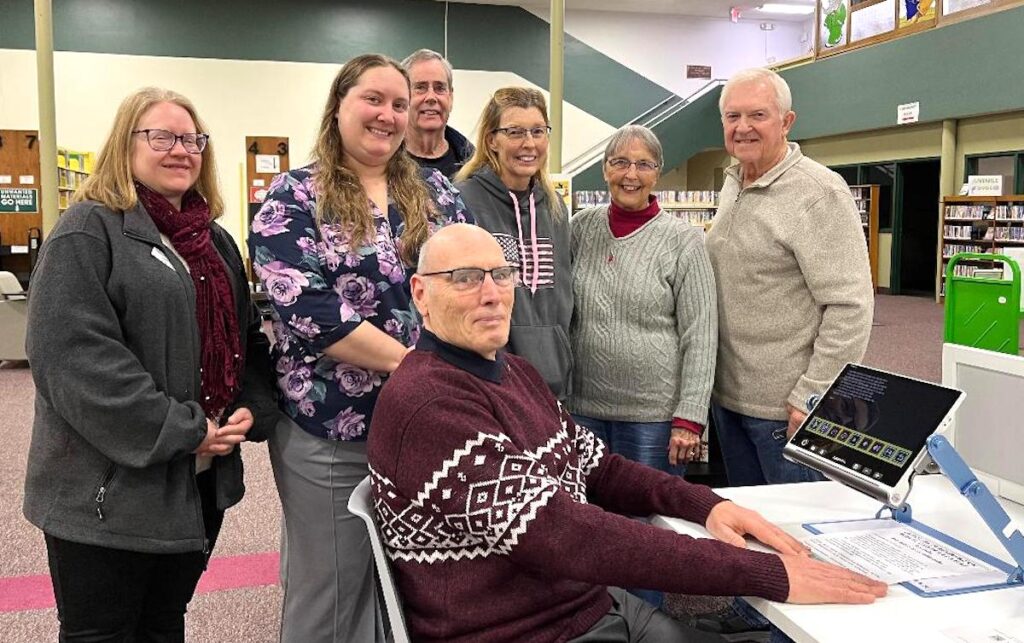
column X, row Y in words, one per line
column 265, row 157
column 20, row 198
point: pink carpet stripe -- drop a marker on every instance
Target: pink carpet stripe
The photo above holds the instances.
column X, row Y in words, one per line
column 20, row 593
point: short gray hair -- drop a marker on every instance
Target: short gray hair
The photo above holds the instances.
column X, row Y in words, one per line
column 628, row 133
column 783, row 97
column 425, row 55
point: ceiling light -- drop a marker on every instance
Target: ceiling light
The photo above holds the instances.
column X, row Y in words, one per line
column 796, row 9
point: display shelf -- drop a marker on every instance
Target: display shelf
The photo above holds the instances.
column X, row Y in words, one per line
column 73, row 167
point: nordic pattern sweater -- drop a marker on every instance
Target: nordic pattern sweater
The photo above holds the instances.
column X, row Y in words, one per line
column 501, row 516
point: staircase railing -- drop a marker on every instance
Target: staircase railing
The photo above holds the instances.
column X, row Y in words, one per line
column 659, row 113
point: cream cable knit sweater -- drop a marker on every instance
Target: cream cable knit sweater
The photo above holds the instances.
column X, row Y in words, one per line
column 645, row 328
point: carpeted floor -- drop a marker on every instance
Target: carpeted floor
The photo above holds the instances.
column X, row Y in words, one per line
column 239, row 601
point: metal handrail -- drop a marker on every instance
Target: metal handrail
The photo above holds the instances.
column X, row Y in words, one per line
column 659, row 113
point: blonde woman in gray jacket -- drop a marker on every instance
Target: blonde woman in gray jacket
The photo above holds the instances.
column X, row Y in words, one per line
column 150, row 369
column 507, row 188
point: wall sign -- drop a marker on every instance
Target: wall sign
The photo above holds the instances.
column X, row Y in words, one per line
column 19, row 200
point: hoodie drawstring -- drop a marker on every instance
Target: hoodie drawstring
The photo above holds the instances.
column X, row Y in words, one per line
column 534, row 274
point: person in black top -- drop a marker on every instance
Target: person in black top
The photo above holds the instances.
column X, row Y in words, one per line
column 428, row 139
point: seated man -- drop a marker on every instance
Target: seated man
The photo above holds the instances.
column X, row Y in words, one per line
column 506, row 521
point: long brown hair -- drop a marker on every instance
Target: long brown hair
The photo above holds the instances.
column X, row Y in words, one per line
column 112, row 183
column 503, row 99
column 341, row 198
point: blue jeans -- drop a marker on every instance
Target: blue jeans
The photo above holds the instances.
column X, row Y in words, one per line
column 752, row 450
column 643, row 442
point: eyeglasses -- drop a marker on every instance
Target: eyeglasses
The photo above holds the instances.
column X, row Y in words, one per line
column 519, row 133
column 439, row 88
column 622, row 165
column 473, row 278
column 162, row 141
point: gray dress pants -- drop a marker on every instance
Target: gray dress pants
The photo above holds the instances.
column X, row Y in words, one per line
column 329, row 588
column 634, row 620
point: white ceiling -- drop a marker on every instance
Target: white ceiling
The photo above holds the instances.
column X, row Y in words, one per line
column 700, row 8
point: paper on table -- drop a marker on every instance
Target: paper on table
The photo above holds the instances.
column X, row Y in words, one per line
column 894, row 554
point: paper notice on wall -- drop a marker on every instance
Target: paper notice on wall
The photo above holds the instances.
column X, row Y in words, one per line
column 985, row 185
column 908, row 113
column 27, row 179
column 268, row 164
column 5, row 179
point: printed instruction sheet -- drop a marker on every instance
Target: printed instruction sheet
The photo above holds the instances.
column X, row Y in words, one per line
column 894, row 553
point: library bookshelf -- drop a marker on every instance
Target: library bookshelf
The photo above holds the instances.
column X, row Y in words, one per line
column 866, row 198
column 697, row 207
column 983, row 224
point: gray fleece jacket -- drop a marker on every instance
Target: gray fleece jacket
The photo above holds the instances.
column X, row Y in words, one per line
column 114, row 349
column 537, row 240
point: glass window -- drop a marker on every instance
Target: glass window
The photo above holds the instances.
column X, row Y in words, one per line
column 872, row 20
column 998, row 165
column 953, row 6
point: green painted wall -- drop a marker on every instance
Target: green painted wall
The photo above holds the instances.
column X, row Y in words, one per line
column 481, row 37
column 508, row 38
column 323, row 31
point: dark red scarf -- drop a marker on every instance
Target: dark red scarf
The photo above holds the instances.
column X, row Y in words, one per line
column 189, row 232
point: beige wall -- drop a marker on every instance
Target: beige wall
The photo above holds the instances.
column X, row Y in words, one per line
column 236, row 99
column 897, row 143
column 984, row 134
column 701, row 169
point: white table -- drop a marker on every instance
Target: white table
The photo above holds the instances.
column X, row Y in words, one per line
column 901, row 615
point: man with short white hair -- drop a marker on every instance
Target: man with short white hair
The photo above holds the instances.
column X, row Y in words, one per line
column 507, row 522
column 428, row 138
column 795, row 298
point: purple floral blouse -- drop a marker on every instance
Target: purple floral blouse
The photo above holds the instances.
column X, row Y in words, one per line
column 322, row 286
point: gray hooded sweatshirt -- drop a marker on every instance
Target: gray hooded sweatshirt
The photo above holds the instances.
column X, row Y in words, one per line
column 538, row 242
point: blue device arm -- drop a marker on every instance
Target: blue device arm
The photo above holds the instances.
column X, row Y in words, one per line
column 961, row 475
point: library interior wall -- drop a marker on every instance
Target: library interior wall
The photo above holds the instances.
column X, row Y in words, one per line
column 89, row 86
column 660, row 46
column 988, row 134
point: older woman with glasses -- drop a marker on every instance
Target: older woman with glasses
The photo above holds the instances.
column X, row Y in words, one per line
column 644, row 333
column 335, row 244
column 150, row 368
column 506, row 186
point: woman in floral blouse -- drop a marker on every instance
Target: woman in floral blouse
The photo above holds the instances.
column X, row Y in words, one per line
column 334, row 245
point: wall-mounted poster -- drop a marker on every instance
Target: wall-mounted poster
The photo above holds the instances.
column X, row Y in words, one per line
column 833, row 23
column 913, row 12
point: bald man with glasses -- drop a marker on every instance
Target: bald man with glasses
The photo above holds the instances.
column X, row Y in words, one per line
column 502, row 517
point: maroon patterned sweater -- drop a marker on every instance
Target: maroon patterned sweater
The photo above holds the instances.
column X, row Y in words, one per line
column 501, row 516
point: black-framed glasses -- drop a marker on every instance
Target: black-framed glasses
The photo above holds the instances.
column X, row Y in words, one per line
column 622, row 165
column 519, row 133
column 162, row 141
column 473, row 278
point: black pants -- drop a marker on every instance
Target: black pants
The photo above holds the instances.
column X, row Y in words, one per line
column 106, row 594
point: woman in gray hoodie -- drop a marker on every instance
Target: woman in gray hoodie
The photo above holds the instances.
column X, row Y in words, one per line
column 507, row 188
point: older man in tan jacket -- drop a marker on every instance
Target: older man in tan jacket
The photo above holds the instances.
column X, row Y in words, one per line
column 795, row 298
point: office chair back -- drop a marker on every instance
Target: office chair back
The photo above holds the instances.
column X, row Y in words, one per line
column 360, row 503
column 10, row 287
